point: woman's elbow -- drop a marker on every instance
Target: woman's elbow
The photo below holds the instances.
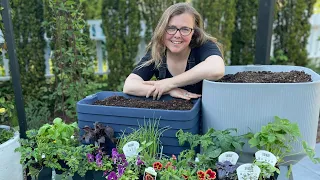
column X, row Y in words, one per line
column 217, row 74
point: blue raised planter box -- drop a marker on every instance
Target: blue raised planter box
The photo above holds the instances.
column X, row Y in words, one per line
column 125, row 118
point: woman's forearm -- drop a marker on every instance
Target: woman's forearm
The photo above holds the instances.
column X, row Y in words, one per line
column 134, row 86
column 211, row 69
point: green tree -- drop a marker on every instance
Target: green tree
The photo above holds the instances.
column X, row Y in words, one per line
column 243, row 37
column 219, row 16
column 121, row 25
column 72, row 66
column 29, row 40
column 293, row 29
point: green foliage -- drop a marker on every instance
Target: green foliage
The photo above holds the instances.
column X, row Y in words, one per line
column 6, row 110
column 121, row 25
column 292, row 30
column 276, row 137
column 29, row 40
column 149, row 133
column 267, row 169
column 73, row 68
column 213, row 143
column 5, row 134
column 92, row 9
column 219, row 16
column 151, row 12
column 37, row 113
column 243, row 37
column 279, row 58
column 52, row 145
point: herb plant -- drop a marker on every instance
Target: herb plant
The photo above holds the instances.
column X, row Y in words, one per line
column 213, row 143
column 226, row 170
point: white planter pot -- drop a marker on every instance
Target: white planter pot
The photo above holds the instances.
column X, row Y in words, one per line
column 10, row 167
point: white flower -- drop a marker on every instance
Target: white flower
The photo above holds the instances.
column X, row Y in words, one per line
column 72, row 137
column 43, row 156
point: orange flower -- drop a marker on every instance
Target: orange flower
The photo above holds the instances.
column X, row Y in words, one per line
column 201, row 175
column 157, row 165
column 210, row 174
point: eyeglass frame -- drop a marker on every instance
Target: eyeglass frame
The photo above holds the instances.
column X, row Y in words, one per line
column 179, row 29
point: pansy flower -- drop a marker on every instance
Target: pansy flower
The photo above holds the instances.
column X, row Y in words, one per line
column 90, row 157
column 210, row 174
column 184, row 177
column 201, row 175
column 112, row 176
column 157, row 165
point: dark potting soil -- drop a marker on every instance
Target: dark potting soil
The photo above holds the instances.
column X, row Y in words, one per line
column 267, row 77
column 173, row 104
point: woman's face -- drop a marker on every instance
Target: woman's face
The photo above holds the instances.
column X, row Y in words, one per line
column 179, row 41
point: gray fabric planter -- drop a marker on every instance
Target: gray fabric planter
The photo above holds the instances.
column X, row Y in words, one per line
column 248, row 106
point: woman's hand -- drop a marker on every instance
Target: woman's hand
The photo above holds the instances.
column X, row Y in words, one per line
column 183, row 94
column 159, row 87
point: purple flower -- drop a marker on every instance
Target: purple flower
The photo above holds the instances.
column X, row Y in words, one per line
column 98, row 156
column 112, row 176
column 90, row 157
column 120, row 170
column 99, row 162
column 139, row 162
column 105, row 173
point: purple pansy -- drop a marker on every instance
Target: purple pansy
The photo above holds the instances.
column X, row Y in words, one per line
column 90, row 157
column 139, row 162
column 112, row 176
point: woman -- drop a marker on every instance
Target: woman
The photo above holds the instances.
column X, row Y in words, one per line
column 180, row 55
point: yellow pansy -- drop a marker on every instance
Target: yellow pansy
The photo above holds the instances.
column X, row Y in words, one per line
column 2, row 110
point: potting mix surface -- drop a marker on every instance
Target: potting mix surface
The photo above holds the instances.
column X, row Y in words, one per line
column 267, row 77
column 173, row 104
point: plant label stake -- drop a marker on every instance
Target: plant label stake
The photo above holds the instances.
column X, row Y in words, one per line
column 150, row 174
column 229, row 156
column 248, row 171
column 266, row 156
column 130, row 149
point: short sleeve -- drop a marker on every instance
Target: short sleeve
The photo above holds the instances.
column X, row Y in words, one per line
column 209, row 48
column 145, row 72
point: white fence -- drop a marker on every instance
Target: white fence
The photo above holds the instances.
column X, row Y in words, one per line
column 96, row 34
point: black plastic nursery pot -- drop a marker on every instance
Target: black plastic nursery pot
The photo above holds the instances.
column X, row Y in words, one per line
column 45, row 174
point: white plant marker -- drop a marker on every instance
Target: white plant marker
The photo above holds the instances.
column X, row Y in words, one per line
column 248, row 171
column 130, row 149
column 266, row 156
column 229, row 156
column 150, row 171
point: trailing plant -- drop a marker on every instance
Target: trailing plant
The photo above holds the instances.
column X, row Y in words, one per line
column 54, row 146
column 213, row 143
column 219, row 17
column 243, row 37
column 72, row 66
column 292, row 30
column 121, row 26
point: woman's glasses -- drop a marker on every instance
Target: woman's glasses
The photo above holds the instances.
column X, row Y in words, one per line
column 184, row 31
